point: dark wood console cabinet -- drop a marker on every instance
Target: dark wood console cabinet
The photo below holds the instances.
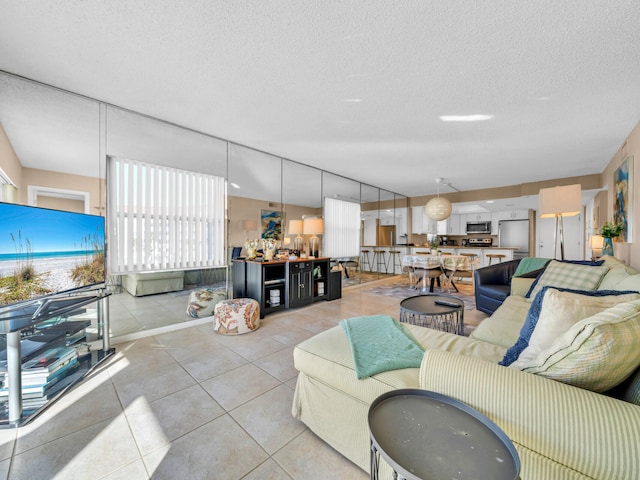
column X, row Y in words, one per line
column 282, row 284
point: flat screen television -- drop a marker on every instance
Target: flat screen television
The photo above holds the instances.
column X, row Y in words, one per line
column 44, row 252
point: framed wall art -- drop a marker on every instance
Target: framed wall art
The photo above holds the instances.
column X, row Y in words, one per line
column 623, row 198
column 271, row 221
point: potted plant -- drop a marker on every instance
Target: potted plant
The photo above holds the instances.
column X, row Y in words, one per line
column 434, row 245
column 609, row 231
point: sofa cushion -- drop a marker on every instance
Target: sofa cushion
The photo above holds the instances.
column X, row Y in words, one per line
column 503, row 327
column 630, row 283
column 569, row 275
column 613, row 278
column 596, row 353
column 560, row 309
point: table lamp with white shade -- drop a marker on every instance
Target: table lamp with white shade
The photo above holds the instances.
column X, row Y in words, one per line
column 295, row 228
column 313, row 226
column 596, row 242
column 249, row 226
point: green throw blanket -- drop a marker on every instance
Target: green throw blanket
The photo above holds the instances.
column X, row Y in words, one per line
column 379, row 343
column 529, row 264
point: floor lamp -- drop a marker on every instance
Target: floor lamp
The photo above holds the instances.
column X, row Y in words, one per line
column 558, row 202
column 313, row 226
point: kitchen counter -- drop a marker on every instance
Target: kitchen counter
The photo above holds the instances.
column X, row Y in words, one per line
column 384, row 264
column 393, row 247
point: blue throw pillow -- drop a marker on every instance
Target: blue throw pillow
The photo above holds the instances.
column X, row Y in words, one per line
column 591, row 263
column 527, row 329
column 534, row 313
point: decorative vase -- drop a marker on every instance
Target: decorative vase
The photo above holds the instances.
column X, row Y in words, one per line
column 607, row 248
column 251, row 246
column 268, row 248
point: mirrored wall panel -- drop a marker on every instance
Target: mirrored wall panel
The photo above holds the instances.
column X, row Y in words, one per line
column 254, row 196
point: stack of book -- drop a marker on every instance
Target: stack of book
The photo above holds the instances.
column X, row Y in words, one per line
column 40, row 374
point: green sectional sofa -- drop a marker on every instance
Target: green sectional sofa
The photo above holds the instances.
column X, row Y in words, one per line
column 572, row 411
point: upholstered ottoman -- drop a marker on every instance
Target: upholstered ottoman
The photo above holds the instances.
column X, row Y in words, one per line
column 236, row 316
column 202, row 302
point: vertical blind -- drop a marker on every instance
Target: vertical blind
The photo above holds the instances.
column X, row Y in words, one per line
column 162, row 218
column 341, row 228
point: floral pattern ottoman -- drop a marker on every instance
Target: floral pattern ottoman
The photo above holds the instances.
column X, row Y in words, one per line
column 202, row 302
column 236, row 316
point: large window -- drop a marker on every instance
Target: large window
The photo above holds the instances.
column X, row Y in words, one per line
column 162, row 218
column 342, row 228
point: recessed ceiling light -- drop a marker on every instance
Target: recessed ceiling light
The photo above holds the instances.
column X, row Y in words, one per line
column 489, row 201
column 234, row 185
column 465, row 118
column 543, row 99
column 353, row 100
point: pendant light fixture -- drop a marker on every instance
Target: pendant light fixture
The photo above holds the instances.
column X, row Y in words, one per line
column 438, row 208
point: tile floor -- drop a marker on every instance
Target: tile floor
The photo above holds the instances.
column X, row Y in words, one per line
column 191, row 404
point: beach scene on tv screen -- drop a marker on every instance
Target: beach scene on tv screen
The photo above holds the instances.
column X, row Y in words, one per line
column 47, row 251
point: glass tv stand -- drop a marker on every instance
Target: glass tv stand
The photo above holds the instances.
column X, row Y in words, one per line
column 46, row 347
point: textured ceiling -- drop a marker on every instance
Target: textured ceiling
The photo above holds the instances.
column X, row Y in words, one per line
column 356, row 87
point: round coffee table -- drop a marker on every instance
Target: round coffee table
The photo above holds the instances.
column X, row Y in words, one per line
column 441, row 312
column 427, row 435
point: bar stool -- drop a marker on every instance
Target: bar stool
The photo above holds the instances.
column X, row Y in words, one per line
column 498, row 256
column 380, row 260
column 366, row 260
column 395, row 261
column 473, row 263
column 423, row 253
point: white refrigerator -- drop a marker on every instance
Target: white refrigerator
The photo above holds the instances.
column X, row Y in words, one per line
column 514, row 233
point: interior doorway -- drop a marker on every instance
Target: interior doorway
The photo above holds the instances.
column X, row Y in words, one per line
column 59, row 199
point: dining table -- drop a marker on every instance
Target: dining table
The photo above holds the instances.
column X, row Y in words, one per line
column 427, row 266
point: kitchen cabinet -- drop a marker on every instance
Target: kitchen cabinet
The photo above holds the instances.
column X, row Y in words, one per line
column 370, row 229
column 421, row 223
column 507, row 215
column 478, row 217
column 430, row 225
column 452, row 226
column 417, row 216
column 401, row 223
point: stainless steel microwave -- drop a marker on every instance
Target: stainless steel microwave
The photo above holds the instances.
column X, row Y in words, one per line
column 478, row 227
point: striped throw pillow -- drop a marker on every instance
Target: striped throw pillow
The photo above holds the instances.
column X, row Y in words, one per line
column 596, row 353
column 569, row 275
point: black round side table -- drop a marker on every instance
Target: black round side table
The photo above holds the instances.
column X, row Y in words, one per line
column 440, row 312
column 425, row 435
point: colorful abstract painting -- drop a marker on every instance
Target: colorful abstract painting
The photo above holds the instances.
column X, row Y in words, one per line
column 271, row 221
column 622, row 201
